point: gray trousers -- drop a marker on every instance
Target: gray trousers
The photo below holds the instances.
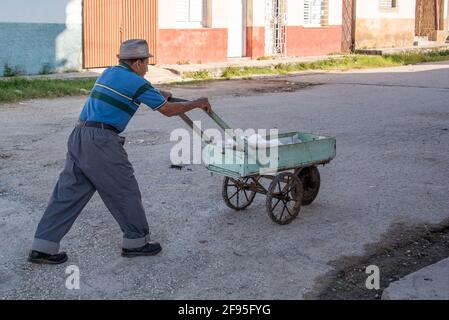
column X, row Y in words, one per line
column 96, row 161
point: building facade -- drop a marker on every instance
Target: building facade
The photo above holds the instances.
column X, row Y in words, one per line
column 215, row 30
column 59, row 35
column 399, row 23
column 40, row 36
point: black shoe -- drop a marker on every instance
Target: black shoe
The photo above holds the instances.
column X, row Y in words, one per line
column 150, row 249
column 43, row 258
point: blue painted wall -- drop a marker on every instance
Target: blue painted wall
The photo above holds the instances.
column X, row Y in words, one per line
column 34, row 48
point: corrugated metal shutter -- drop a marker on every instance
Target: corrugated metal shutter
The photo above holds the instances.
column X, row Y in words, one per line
column 101, row 32
column 107, row 23
column 140, row 21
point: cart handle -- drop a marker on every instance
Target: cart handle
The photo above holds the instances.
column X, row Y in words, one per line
column 219, row 121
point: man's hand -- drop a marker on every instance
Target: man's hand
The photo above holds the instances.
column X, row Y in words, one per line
column 203, row 103
column 167, row 95
column 171, row 109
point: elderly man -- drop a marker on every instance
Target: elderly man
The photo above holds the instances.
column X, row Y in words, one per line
column 97, row 161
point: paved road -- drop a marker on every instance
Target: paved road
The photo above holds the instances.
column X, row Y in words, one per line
column 392, row 167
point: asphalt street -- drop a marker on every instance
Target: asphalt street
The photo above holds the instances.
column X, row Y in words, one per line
column 392, row 166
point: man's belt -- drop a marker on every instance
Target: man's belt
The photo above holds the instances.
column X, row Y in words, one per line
column 94, row 124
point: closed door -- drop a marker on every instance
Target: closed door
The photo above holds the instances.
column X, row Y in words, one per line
column 429, row 18
column 107, row 23
column 348, row 26
column 236, row 28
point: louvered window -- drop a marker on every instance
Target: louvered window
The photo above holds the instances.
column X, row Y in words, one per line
column 316, row 13
column 387, row 4
column 190, row 12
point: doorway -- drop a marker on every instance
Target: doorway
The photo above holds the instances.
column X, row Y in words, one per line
column 275, row 27
column 348, row 26
column 429, row 18
column 237, row 29
column 106, row 24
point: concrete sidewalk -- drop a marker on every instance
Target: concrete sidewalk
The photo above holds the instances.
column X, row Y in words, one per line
column 175, row 73
column 387, row 51
column 429, row 283
column 217, row 68
column 170, row 73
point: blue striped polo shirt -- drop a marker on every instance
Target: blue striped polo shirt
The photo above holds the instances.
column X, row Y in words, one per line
column 116, row 97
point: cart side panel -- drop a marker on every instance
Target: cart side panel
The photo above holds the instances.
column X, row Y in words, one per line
column 297, row 155
column 312, row 150
column 227, row 162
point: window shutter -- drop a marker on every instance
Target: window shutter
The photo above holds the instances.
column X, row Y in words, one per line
column 307, row 12
column 182, row 7
column 316, row 12
column 387, row 4
column 196, row 13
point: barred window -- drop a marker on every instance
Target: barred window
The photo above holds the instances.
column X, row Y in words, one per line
column 387, row 4
column 190, row 12
column 316, row 13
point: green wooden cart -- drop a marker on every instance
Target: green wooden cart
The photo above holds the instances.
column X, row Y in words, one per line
column 295, row 179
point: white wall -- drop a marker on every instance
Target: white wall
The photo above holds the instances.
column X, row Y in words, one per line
column 369, row 9
column 220, row 8
column 258, row 13
column 296, row 12
column 41, row 11
column 335, row 12
column 295, row 15
column 41, row 35
column 220, row 11
column 167, row 14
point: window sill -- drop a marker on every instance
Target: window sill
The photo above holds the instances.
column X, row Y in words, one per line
column 315, row 26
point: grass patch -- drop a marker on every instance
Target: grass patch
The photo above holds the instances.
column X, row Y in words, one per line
column 233, row 72
column 416, row 57
column 11, row 71
column 198, row 75
column 46, row 69
column 343, row 63
column 17, row 89
column 265, row 58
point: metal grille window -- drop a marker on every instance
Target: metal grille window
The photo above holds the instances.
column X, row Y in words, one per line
column 387, row 4
column 316, row 13
column 276, row 27
column 190, row 12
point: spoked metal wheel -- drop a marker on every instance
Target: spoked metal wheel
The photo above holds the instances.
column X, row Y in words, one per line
column 311, row 180
column 237, row 194
column 284, row 198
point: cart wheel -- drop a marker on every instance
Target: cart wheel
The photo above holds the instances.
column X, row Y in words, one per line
column 311, row 180
column 237, row 193
column 284, row 198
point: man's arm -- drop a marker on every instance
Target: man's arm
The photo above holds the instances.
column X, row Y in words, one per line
column 167, row 95
column 171, row 109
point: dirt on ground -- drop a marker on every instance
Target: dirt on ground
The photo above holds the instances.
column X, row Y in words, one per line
column 244, row 87
column 403, row 250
